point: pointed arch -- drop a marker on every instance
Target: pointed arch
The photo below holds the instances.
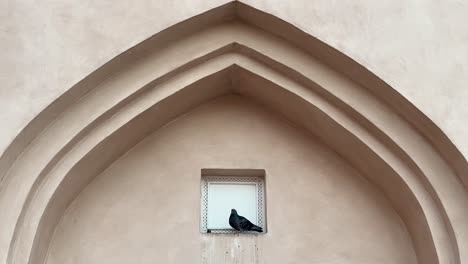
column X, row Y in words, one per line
column 234, row 49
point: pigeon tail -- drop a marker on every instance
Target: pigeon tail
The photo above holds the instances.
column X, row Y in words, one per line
column 256, row 228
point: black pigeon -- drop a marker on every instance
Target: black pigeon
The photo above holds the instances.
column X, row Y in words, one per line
column 241, row 223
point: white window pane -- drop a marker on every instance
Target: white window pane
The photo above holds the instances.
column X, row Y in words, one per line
column 222, row 197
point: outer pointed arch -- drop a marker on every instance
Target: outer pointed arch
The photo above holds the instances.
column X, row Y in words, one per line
column 242, row 47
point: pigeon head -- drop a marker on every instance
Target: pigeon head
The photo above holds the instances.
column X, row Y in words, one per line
column 233, row 211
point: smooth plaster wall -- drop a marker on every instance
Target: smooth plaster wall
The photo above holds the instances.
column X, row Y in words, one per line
column 418, row 47
column 145, row 207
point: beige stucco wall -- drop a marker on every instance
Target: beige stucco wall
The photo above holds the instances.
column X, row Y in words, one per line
column 418, row 47
column 145, row 208
column 421, row 178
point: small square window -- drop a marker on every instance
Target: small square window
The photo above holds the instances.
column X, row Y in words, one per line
column 226, row 189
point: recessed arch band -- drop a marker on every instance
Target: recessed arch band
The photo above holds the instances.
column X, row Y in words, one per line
column 100, row 119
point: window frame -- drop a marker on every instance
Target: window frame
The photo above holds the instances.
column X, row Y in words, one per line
column 226, row 176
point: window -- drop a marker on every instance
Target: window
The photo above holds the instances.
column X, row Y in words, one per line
column 226, row 189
